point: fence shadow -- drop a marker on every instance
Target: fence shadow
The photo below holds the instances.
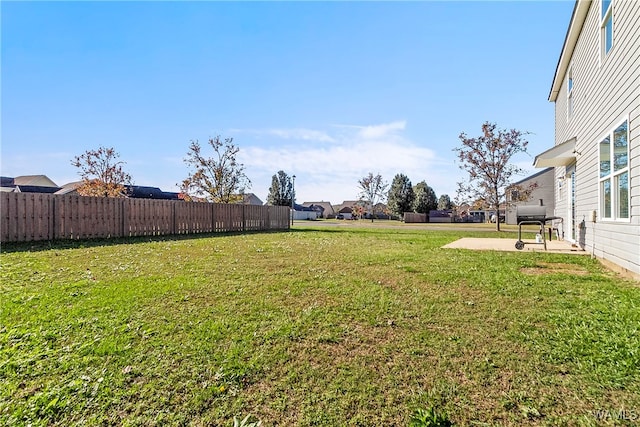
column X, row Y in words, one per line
column 42, row 245
column 45, row 245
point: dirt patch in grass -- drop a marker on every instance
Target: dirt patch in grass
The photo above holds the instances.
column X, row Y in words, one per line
column 554, row 268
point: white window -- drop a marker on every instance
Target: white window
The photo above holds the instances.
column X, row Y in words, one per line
column 606, row 26
column 570, row 93
column 614, row 174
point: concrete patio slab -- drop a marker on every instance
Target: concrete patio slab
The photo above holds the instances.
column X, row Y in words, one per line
column 509, row 245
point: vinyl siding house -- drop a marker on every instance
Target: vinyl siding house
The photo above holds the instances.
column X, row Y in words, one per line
column 28, row 184
column 132, row 191
column 324, row 209
column 542, row 195
column 596, row 156
column 251, row 199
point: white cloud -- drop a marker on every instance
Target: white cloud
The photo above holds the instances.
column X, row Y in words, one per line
column 331, row 171
column 381, row 131
column 302, row 134
column 327, row 163
column 295, row 133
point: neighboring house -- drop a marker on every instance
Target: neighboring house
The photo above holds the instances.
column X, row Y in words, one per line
column 304, row 212
column 69, row 188
column 251, row 199
column 34, row 180
column 478, row 212
column 143, row 192
column 542, row 195
column 28, row 184
column 324, row 209
column 596, row 91
column 381, row 211
column 349, row 204
column 34, row 189
column 6, row 183
column 345, row 213
column 350, row 209
column 133, row 191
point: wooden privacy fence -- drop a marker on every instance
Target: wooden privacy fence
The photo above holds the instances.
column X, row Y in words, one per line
column 35, row 216
column 410, row 217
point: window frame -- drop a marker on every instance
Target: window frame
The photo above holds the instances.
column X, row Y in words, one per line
column 606, row 17
column 611, row 179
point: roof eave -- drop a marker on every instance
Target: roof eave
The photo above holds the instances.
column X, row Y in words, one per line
column 578, row 17
column 559, row 155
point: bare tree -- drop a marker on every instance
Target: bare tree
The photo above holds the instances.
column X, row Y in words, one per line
column 372, row 190
column 219, row 178
column 487, row 161
column 102, row 174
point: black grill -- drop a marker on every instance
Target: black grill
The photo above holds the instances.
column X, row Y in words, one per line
column 533, row 215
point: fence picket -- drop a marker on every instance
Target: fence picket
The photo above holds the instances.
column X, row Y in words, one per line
column 38, row 216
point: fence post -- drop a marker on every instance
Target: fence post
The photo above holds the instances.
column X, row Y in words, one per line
column 28, row 217
column 123, row 219
column 53, row 218
column 214, row 212
column 173, row 218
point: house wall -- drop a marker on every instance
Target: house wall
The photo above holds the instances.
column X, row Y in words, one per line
column 606, row 91
column 544, row 192
column 302, row 215
column 328, row 211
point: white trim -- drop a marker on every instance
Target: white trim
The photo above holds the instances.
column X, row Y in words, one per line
column 615, row 206
column 602, row 29
column 560, row 155
column 571, row 206
column 575, row 27
column 570, row 97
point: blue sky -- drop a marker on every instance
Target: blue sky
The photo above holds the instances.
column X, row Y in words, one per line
column 328, row 91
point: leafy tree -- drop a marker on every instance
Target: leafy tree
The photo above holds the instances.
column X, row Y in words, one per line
column 487, row 161
column 102, row 173
column 281, row 190
column 357, row 211
column 401, row 196
column 445, row 203
column 425, row 198
column 372, row 190
column 219, row 178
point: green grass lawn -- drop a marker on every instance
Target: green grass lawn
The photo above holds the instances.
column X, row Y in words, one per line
column 320, row 326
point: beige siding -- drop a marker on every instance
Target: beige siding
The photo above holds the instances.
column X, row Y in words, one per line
column 544, row 192
column 605, row 93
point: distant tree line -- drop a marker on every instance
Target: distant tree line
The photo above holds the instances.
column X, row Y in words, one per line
column 421, row 198
column 218, row 177
column 401, row 196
